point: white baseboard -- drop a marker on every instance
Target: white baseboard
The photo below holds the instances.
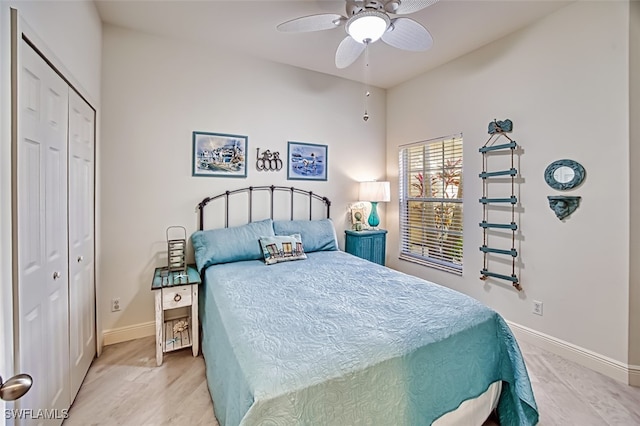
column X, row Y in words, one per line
column 130, row 332
column 634, row 375
column 609, row 367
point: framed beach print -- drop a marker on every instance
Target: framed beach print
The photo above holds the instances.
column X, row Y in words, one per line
column 306, row 161
column 219, row 154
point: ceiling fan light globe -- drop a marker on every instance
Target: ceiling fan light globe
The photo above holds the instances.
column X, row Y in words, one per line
column 367, row 26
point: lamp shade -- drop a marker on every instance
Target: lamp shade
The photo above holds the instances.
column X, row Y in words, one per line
column 375, row 191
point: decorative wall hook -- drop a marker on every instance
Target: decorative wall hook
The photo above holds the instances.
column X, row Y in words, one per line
column 497, row 126
column 268, row 161
column 563, row 205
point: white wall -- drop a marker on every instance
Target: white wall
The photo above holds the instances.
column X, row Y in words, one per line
column 156, row 92
column 71, row 33
column 564, row 82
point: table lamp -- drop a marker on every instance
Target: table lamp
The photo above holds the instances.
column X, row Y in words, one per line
column 375, row 192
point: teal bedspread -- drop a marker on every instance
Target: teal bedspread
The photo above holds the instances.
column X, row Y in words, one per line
column 337, row 340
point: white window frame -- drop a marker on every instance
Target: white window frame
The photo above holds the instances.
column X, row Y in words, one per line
column 423, row 238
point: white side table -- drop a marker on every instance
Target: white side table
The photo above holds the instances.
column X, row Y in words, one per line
column 175, row 290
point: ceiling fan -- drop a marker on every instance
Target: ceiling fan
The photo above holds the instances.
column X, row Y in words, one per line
column 367, row 22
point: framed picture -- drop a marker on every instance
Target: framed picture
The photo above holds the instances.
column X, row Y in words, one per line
column 219, row 154
column 306, row 161
column 358, row 218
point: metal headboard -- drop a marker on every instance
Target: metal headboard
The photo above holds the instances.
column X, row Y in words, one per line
column 251, row 190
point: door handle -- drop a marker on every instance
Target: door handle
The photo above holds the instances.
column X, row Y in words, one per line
column 15, row 387
column 56, row 275
column 80, row 259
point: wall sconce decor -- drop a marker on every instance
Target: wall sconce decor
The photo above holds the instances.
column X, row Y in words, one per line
column 563, row 205
column 375, row 192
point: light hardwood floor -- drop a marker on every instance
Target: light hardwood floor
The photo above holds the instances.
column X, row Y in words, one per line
column 124, row 387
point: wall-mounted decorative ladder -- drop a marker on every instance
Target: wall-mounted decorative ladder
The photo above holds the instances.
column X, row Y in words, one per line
column 498, row 130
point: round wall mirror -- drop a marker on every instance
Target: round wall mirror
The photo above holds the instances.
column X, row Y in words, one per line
column 564, row 174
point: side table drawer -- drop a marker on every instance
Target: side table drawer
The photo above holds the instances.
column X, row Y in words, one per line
column 176, row 297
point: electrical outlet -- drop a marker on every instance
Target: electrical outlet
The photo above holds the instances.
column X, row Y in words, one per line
column 537, row 307
column 115, row 304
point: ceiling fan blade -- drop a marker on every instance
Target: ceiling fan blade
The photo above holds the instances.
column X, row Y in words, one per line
column 404, row 7
column 348, row 51
column 407, row 34
column 324, row 21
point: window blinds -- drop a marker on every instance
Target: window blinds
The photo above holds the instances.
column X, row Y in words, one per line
column 431, row 208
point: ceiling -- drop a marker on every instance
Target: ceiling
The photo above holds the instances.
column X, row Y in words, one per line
column 457, row 27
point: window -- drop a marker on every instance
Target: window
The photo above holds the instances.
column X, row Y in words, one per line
column 431, row 203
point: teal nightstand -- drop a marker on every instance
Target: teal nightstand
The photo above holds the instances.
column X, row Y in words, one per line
column 370, row 245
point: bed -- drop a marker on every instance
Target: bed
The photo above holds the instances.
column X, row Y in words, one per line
column 332, row 339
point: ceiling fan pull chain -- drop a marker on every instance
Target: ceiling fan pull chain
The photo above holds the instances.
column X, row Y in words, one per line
column 365, row 117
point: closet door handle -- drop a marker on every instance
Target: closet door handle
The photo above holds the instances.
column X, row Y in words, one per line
column 80, row 259
column 56, row 275
column 15, row 387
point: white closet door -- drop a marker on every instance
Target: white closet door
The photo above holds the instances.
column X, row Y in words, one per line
column 43, row 347
column 82, row 323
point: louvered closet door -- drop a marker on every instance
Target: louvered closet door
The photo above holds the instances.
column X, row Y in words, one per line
column 43, row 346
column 82, row 324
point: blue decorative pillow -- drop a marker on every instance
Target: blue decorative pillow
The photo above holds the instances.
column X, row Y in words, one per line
column 230, row 244
column 317, row 235
column 282, row 248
